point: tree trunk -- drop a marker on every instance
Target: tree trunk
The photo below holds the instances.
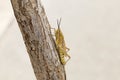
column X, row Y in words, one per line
column 39, row 42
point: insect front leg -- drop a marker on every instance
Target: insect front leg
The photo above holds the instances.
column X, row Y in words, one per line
column 53, row 31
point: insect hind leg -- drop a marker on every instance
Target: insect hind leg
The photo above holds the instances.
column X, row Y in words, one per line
column 68, row 57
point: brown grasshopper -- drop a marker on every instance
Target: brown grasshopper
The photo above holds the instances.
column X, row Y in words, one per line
column 60, row 43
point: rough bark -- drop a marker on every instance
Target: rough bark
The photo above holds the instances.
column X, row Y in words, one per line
column 37, row 36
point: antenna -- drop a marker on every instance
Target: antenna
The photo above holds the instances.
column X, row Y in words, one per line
column 58, row 23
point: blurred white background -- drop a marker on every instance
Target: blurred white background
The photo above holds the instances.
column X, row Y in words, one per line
column 92, row 32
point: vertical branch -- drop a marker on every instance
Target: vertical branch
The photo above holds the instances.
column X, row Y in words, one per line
column 36, row 33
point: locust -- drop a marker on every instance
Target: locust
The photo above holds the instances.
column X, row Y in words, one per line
column 60, row 43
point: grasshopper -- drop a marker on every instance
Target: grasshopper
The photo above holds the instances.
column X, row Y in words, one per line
column 60, row 43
